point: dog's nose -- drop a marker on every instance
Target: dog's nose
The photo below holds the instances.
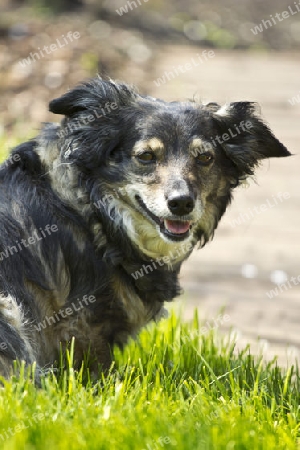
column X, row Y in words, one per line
column 181, row 204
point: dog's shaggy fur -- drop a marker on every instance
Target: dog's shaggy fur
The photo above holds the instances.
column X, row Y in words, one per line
column 98, row 214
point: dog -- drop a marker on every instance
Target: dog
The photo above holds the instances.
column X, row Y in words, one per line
column 99, row 212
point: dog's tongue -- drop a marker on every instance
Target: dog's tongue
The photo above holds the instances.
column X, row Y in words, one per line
column 177, row 227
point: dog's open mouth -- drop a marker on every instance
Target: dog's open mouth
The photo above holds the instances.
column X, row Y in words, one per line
column 176, row 230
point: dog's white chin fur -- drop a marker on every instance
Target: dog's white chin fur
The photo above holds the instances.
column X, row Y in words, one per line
column 146, row 235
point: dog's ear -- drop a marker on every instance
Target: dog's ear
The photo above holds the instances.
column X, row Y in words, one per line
column 71, row 102
column 246, row 138
column 92, row 95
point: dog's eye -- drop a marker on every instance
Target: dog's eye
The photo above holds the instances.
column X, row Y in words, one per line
column 204, row 158
column 146, row 157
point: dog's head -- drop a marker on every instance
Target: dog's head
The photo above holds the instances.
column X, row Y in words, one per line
column 161, row 172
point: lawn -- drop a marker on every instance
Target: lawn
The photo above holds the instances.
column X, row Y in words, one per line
column 174, row 388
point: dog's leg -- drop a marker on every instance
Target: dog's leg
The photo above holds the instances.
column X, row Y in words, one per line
column 14, row 344
column 98, row 356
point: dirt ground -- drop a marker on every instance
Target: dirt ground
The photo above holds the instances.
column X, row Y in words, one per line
column 235, row 270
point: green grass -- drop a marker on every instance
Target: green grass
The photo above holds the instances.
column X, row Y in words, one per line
column 6, row 145
column 172, row 389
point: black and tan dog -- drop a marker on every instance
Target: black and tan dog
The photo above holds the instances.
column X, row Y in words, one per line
column 98, row 214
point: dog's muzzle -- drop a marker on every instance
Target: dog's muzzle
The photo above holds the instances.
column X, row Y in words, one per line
column 174, row 229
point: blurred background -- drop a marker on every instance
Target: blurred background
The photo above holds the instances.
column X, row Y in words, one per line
column 254, row 55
